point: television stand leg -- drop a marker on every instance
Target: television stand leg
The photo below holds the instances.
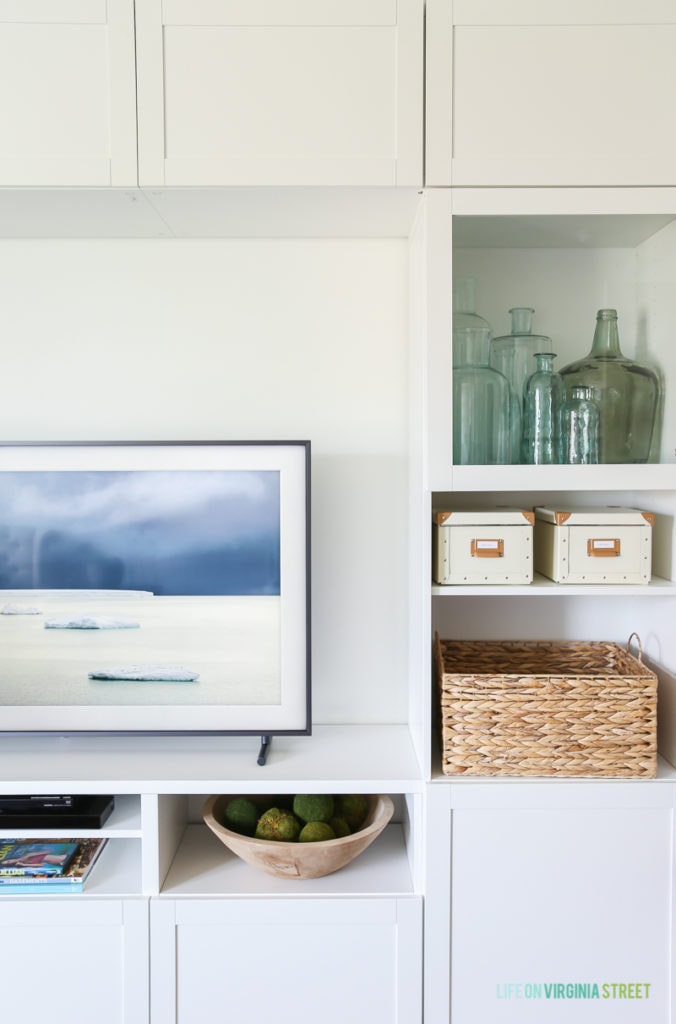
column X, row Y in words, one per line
column 263, row 752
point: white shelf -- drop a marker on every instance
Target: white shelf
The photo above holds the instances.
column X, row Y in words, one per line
column 543, row 587
column 124, row 822
column 117, row 873
column 203, row 866
column 208, row 212
column 644, row 477
column 537, row 217
column 349, row 758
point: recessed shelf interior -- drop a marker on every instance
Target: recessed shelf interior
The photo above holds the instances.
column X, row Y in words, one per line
column 204, row 867
column 563, row 231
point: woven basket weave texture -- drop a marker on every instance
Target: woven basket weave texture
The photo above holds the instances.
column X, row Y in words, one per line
column 541, row 708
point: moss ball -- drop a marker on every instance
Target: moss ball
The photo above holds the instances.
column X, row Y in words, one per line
column 241, row 815
column 316, row 832
column 340, row 827
column 313, row 807
column 278, row 825
column 353, row 808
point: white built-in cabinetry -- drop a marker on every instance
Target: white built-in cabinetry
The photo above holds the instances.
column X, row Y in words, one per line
column 67, row 73
column 167, row 894
column 279, row 93
column 550, row 178
column 535, row 128
column 571, row 92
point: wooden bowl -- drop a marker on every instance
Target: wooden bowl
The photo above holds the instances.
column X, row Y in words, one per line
column 299, row 860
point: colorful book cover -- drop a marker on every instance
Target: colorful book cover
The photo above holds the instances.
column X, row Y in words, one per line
column 72, row 880
column 23, row 859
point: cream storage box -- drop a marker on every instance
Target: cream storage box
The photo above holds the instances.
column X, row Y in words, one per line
column 593, row 545
column 483, row 546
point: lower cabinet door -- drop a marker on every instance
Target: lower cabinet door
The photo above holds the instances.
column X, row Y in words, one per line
column 563, row 912
column 70, row 958
column 287, row 960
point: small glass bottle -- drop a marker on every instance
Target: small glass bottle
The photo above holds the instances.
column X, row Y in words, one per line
column 542, row 402
column 628, row 394
column 512, row 354
column 580, row 427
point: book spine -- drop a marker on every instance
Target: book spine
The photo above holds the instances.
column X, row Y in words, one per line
column 29, row 887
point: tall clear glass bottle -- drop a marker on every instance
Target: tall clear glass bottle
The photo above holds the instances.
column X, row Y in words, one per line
column 464, row 306
column 627, row 392
column 542, row 401
column 481, row 434
column 512, row 354
column 480, row 394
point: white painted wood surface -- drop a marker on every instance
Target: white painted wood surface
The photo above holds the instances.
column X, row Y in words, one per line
column 525, row 93
column 67, row 75
column 287, row 94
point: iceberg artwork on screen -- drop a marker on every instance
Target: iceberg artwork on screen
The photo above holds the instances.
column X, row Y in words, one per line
column 143, row 588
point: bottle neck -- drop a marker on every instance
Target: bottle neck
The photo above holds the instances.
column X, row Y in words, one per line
column 606, row 342
column 522, row 319
column 471, row 346
column 545, row 361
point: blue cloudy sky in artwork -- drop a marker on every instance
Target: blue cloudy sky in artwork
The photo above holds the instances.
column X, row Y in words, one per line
column 179, row 532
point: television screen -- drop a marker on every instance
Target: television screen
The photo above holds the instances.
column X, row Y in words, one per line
column 155, row 587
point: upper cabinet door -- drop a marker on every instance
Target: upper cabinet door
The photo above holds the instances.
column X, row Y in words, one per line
column 567, row 92
column 68, row 114
column 280, row 92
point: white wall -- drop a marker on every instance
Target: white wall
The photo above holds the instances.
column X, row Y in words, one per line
column 242, row 339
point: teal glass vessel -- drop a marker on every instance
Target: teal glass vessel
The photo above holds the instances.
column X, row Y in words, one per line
column 465, row 315
column 481, row 424
column 628, row 394
column 580, row 427
column 512, row 354
column 542, row 406
column 481, row 402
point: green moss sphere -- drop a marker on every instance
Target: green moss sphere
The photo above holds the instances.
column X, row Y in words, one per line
column 340, row 827
column 316, row 832
column 241, row 815
column 353, row 808
column 313, row 806
column 279, row 825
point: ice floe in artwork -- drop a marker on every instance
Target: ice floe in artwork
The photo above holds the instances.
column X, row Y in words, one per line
column 90, row 622
column 19, row 609
column 147, row 673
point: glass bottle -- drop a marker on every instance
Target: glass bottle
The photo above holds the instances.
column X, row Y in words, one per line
column 480, row 394
column 627, row 393
column 580, row 427
column 542, row 403
column 512, row 354
column 464, row 306
column 481, row 423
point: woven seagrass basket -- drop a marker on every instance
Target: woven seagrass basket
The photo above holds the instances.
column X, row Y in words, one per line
column 546, row 709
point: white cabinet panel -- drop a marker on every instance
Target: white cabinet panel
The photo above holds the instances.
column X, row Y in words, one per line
column 89, row 957
column 248, row 956
column 535, row 887
column 561, row 910
column 525, row 93
column 239, row 93
column 67, row 75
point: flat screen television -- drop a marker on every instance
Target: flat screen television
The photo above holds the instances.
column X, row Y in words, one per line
column 155, row 587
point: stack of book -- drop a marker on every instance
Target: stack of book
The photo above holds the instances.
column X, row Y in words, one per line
column 50, row 865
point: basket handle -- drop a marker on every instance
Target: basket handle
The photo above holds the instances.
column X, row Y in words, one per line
column 638, row 641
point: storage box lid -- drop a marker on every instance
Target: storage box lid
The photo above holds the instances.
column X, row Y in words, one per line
column 497, row 516
column 594, row 516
